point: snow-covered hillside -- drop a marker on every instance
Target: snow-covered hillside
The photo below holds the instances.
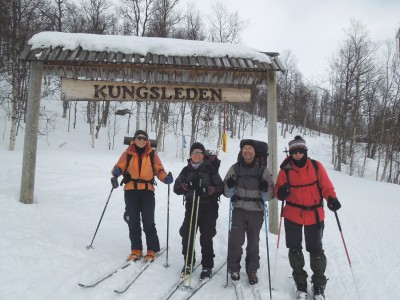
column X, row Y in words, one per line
column 43, row 251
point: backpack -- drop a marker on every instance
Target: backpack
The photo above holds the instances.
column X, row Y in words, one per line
column 261, row 149
column 127, row 177
column 211, row 156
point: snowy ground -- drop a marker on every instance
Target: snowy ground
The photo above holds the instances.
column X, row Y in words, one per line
column 43, row 251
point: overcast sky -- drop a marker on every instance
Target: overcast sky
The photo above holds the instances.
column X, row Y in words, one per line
column 311, row 29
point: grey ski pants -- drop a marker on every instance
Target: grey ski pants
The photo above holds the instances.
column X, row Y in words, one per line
column 245, row 223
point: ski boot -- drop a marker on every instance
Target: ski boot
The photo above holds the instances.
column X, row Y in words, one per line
column 319, row 292
column 206, row 273
column 135, row 255
column 301, row 292
column 252, row 275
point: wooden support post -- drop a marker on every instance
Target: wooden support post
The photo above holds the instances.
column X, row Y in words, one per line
column 272, row 146
column 31, row 133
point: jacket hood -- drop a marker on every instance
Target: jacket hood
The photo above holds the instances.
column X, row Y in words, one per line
column 286, row 165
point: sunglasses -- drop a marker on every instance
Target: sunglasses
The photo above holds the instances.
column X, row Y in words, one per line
column 142, row 138
column 301, row 151
column 197, row 152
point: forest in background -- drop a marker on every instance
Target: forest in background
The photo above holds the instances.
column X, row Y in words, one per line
column 356, row 101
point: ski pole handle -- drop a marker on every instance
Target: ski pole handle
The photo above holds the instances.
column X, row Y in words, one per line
column 114, row 182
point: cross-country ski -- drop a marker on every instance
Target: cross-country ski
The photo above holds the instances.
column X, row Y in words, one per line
column 124, row 287
column 105, row 275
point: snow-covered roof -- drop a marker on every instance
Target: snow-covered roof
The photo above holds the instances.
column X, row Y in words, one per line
column 148, row 59
column 143, row 45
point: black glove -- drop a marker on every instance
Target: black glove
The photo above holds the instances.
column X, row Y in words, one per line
column 114, row 182
column 201, row 191
column 231, row 182
column 333, row 204
column 193, row 184
column 263, row 186
column 283, row 192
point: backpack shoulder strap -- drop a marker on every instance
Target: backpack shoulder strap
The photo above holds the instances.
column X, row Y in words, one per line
column 128, row 159
column 151, row 154
column 315, row 165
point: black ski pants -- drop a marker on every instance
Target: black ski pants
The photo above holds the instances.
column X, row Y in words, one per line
column 207, row 222
column 245, row 223
column 140, row 206
column 313, row 240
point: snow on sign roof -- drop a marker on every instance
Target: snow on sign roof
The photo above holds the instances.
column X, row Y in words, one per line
column 143, row 45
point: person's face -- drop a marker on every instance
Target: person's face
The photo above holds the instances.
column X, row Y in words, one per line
column 298, row 154
column 141, row 141
column 248, row 153
column 197, row 156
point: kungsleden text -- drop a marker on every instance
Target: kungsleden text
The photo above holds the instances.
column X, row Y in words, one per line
column 123, row 92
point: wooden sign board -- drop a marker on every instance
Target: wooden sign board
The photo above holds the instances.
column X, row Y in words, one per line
column 83, row 90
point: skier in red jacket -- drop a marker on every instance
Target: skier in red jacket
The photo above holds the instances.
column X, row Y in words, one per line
column 303, row 183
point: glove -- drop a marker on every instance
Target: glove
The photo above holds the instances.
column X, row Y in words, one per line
column 169, row 179
column 283, row 191
column 116, row 172
column 231, row 182
column 114, row 182
column 333, row 204
column 193, row 183
column 201, row 191
column 263, row 186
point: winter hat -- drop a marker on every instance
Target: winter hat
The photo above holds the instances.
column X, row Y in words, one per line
column 247, row 142
column 297, row 143
column 198, row 146
column 140, row 132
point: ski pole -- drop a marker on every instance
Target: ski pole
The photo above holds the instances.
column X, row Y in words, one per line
column 190, row 234
column 114, row 183
column 266, row 237
column 344, row 243
column 194, row 235
column 279, row 237
column 229, row 232
column 166, row 261
column 347, row 253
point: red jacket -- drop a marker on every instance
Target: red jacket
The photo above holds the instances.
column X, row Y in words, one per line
column 304, row 190
column 147, row 171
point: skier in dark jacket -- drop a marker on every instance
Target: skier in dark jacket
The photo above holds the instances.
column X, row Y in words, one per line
column 247, row 179
column 201, row 179
column 304, row 186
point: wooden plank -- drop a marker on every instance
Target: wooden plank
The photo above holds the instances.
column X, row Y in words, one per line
column 124, row 91
column 74, row 54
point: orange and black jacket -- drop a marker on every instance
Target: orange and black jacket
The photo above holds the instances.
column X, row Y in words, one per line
column 141, row 175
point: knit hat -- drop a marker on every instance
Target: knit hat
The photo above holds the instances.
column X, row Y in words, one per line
column 198, row 146
column 297, row 143
column 247, row 142
column 140, row 132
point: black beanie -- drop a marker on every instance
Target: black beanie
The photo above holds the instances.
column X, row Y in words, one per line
column 140, row 132
column 247, row 142
column 199, row 146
